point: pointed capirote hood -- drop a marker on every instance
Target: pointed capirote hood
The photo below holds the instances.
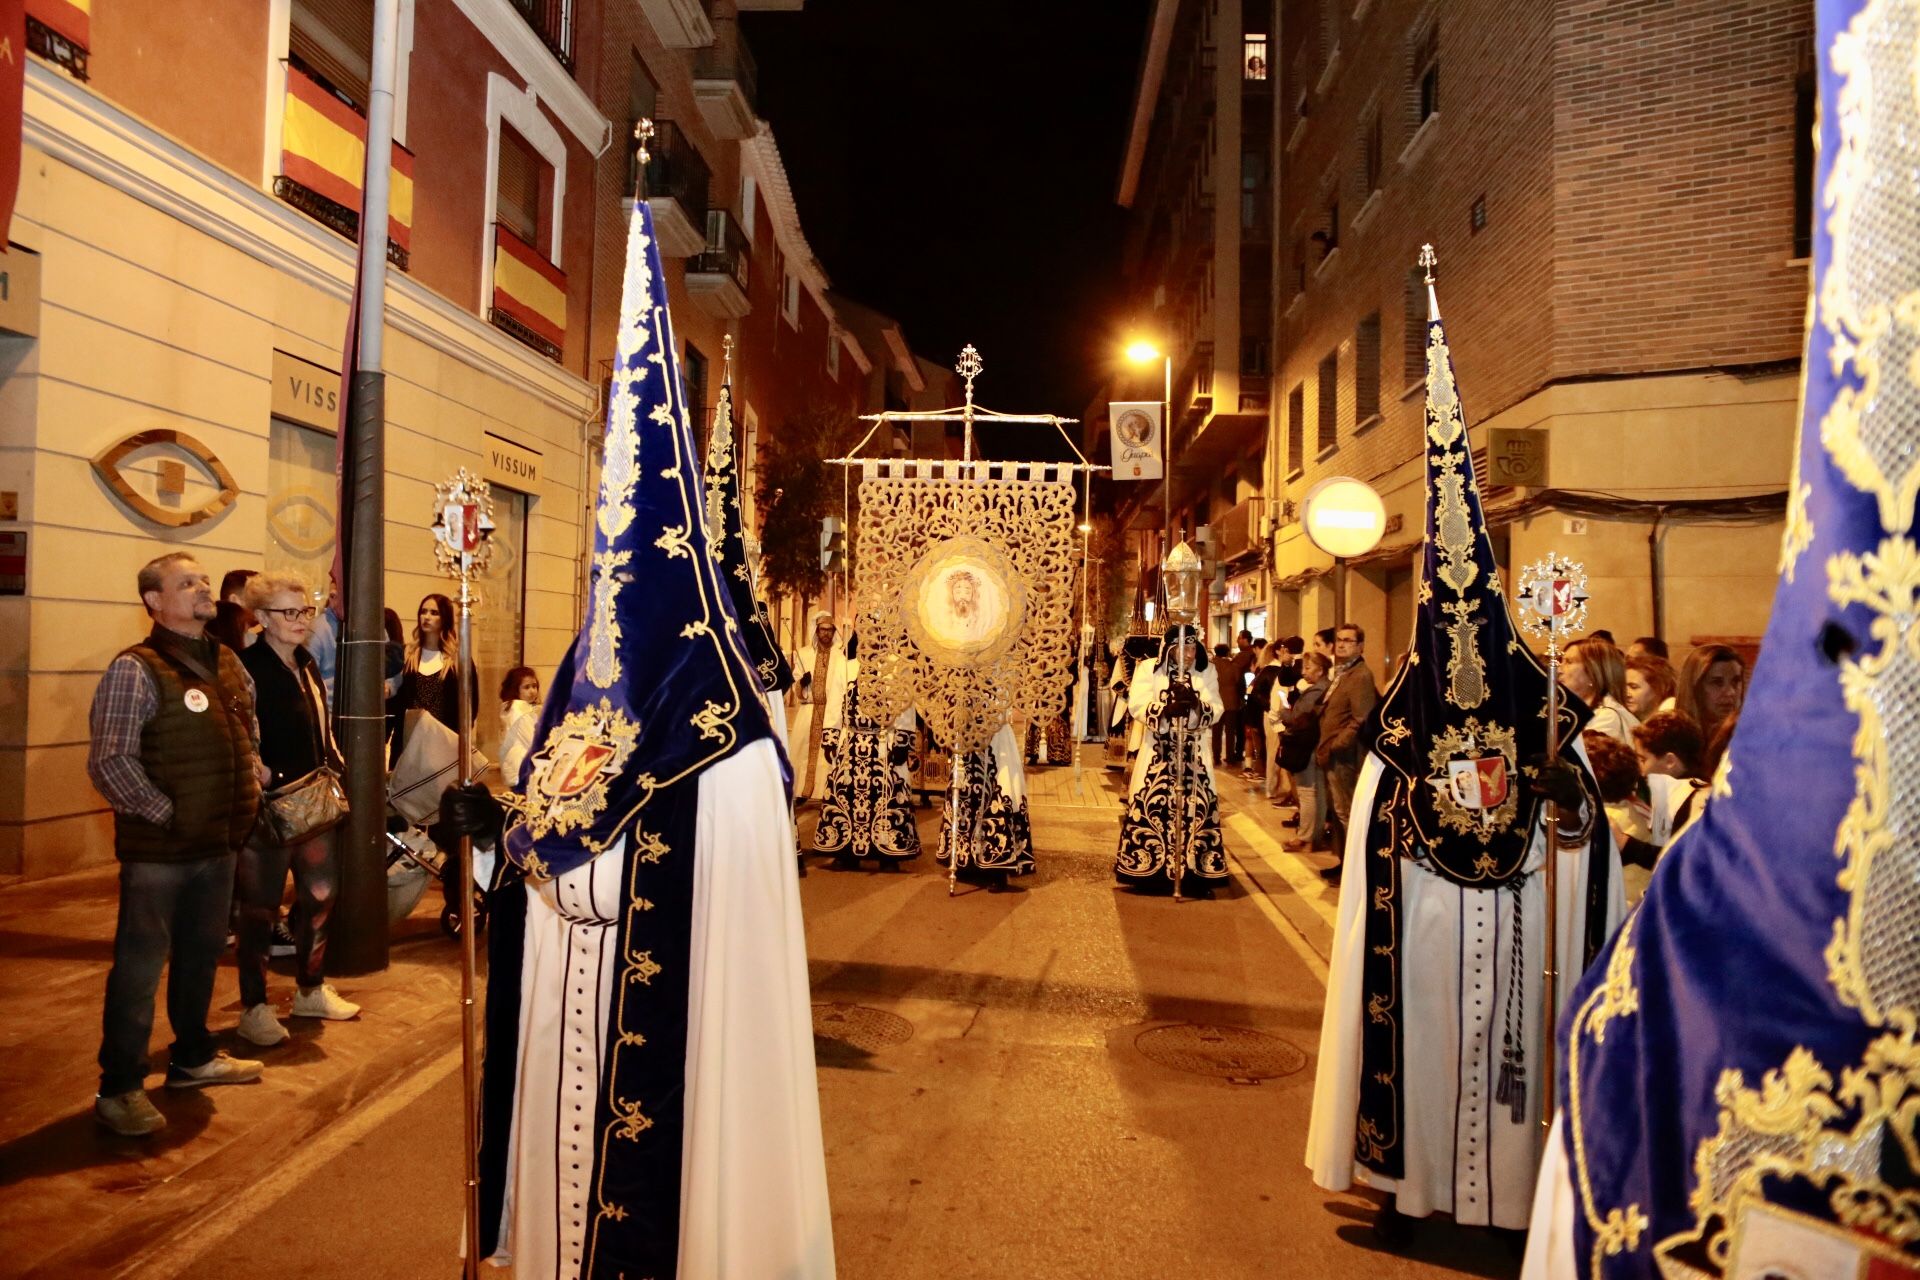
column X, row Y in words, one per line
column 727, row 539
column 658, row 685
column 1471, row 696
column 1740, row 1075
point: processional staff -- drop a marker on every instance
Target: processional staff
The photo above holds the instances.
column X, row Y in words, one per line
column 462, row 529
column 1553, row 600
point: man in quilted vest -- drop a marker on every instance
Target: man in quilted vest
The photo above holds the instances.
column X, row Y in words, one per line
column 175, row 751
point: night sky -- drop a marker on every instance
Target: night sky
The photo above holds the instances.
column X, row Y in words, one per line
column 955, row 166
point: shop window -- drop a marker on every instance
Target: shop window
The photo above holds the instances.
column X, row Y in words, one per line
column 499, row 623
column 303, row 501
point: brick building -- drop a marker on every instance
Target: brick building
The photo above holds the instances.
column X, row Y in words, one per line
column 1198, row 175
column 1619, row 200
column 184, row 256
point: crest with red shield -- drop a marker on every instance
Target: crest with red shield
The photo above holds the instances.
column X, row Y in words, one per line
column 1478, row 782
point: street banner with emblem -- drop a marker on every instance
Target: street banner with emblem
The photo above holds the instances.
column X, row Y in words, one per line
column 1135, row 428
column 1740, row 1073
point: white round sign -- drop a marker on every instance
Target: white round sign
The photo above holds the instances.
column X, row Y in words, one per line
column 1343, row 517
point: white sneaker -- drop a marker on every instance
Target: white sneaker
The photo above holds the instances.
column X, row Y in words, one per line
column 131, row 1115
column 222, row 1068
column 259, row 1026
column 323, row 1002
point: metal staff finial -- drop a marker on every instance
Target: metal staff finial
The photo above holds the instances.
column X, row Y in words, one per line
column 462, row 536
column 1428, row 260
column 643, row 133
column 968, row 367
column 1553, row 603
column 726, row 358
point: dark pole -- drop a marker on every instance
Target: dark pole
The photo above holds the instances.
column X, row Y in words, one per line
column 358, row 929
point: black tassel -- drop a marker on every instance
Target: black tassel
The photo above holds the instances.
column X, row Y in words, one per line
column 1511, row 1089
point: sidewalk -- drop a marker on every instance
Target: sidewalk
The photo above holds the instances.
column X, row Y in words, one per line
column 80, row 1201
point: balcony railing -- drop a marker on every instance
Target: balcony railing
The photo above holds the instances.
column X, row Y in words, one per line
column 728, row 58
column 727, row 251
column 675, row 170
column 552, row 21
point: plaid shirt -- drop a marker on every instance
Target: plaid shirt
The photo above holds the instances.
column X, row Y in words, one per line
column 122, row 705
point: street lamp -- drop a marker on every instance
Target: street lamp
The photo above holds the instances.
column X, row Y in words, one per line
column 1143, row 353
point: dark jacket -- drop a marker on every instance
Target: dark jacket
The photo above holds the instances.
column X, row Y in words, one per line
column 1300, row 728
column 295, row 738
column 1350, row 701
column 1260, row 697
column 202, row 760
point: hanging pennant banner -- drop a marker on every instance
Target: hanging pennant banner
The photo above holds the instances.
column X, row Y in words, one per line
column 1137, row 448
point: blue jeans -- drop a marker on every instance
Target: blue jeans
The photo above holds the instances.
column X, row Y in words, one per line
column 169, row 911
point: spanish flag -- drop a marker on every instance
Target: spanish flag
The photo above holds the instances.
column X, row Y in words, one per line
column 527, row 287
column 69, row 19
column 324, row 148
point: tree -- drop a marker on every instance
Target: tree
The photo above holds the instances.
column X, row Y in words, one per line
column 796, row 492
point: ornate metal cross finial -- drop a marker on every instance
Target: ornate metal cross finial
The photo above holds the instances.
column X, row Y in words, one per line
column 642, row 137
column 969, row 367
column 726, row 358
column 462, row 526
column 1553, row 600
column 1427, row 260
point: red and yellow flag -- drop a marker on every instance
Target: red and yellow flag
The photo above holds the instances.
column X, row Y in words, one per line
column 527, row 287
column 324, row 148
column 72, row 19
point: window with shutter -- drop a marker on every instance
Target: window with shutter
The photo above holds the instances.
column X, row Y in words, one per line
column 332, row 41
column 518, row 205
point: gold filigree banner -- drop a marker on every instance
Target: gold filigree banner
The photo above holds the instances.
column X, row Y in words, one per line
column 964, row 599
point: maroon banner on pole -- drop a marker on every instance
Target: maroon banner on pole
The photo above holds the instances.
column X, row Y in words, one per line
column 13, row 77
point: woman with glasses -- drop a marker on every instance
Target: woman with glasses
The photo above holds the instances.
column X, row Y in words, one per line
column 296, row 738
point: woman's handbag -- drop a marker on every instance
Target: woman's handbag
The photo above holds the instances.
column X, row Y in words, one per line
column 305, row 807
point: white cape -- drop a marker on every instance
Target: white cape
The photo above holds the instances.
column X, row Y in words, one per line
column 753, row 1169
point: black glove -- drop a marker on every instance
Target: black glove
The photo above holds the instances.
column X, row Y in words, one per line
column 1182, row 700
column 470, row 811
column 1556, row 780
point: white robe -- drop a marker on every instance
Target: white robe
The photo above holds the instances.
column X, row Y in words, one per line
column 1140, row 696
column 1464, row 1155
column 753, row 1168
column 825, row 695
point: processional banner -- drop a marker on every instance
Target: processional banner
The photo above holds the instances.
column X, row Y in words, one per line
column 963, row 600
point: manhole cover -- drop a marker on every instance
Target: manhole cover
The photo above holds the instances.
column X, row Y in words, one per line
column 869, row 1030
column 1231, row 1053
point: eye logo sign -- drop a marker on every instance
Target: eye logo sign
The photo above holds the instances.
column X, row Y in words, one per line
column 107, row 467
column 301, row 521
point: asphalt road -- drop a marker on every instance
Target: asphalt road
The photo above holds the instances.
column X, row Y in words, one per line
column 1060, row 1082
